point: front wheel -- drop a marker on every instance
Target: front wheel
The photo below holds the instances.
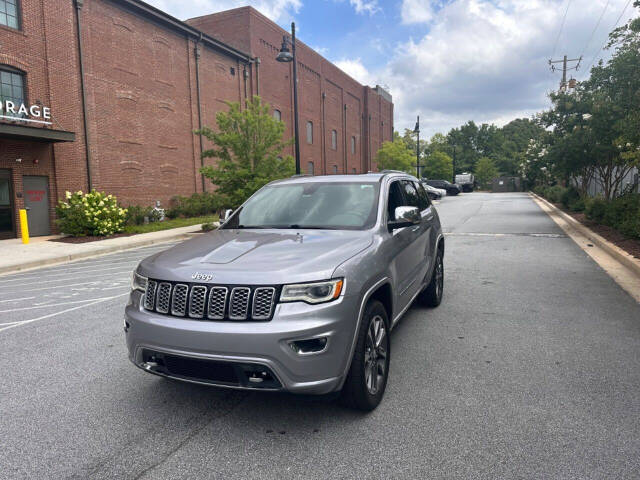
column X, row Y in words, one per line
column 367, row 378
column 432, row 295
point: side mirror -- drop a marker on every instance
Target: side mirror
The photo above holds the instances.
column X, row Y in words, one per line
column 224, row 216
column 405, row 217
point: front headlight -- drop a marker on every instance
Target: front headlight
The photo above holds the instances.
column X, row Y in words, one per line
column 138, row 282
column 317, row 292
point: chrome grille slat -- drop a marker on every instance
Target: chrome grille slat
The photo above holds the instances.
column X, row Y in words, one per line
column 179, row 300
column 163, row 297
column 239, row 303
column 217, row 303
column 262, row 303
column 197, row 299
column 212, row 302
column 150, row 295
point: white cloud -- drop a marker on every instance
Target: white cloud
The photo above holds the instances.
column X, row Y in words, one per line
column 485, row 60
column 365, row 6
column 356, row 70
column 417, row 11
column 276, row 10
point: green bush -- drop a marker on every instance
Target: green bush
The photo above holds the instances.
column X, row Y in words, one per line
column 136, row 215
column 196, row 205
column 207, row 227
column 577, row 205
column 93, row 213
column 554, row 194
column 595, row 209
column 569, row 196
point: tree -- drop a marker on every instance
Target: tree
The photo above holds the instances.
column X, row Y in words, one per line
column 395, row 156
column 438, row 166
column 485, row 171
column 248, row 145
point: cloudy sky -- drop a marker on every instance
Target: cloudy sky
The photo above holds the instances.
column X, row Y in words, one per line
column 447, row 60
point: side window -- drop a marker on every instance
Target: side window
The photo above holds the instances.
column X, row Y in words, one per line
column 309, row 132
column 396, row 199
column 353, row 144
column 310, row 168
column 277, row 115
column 334, row 139
column 411, row 194
column 335, row 169
column 423, row 198
column 11, row 88
column 10, row 13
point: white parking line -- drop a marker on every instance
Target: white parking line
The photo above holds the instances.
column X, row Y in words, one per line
column 50, row 315
column 46, row 305
column 75, row 276
column 16, row 299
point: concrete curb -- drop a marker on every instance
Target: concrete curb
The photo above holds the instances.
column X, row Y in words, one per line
column 104, row 250
column 616, row 252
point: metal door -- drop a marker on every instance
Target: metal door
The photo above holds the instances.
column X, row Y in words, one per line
column 36, row 200
column 7, row 227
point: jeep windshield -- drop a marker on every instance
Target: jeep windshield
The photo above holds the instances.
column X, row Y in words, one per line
column 313, row 205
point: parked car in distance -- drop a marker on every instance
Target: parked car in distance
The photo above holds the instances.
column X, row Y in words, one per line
column 451, row 188
column 297, row 291
column 467, row 181
column 433, row 192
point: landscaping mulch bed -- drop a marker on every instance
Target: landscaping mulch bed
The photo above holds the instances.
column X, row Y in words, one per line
column 629, row 245
column 90, row 239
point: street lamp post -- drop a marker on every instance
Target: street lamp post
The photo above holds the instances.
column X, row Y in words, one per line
column 286, row 56
column 454, row 164
column 416, row 130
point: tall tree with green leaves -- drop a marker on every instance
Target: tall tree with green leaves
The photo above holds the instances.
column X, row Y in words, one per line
column 248, row 144
column 438, row 166
column 485, row 171
column 396, row 156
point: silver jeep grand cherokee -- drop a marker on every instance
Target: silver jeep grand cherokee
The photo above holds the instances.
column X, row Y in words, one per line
column 297, row 291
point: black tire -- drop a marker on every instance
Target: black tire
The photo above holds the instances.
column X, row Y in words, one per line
column 431, row 296
column 369, row 368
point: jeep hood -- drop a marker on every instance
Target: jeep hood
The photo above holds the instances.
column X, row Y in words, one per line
column 258, row 256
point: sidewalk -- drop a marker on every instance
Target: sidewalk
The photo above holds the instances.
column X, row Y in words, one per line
column 15, row 256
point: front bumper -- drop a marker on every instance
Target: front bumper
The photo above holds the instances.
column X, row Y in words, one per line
column 246, row 344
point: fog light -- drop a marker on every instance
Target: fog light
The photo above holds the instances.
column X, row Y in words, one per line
column 311, row 345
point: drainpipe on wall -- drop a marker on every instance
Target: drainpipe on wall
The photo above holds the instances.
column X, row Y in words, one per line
column 258, row 76
column 324, row 138
column 197, row 55
column 245, row 74
column 78, row 5
column 344, row 137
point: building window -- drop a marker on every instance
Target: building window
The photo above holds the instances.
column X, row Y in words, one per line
column 335, row 169
column 353, row 171
column 309, row 133
column 310, row 168
column 353, row 145
column 334, row 139
column 9, row 13
column 277, row 115
column 11, row 89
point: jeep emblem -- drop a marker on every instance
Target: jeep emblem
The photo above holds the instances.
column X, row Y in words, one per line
column 202, row 276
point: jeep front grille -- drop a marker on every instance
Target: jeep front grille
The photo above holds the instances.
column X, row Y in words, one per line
column 217, row 302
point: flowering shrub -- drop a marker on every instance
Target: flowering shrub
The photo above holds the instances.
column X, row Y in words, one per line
column 93, row 213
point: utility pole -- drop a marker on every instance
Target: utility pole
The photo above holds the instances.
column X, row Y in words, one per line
column 565, row 61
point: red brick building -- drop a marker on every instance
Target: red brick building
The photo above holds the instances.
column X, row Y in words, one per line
column 106, row 94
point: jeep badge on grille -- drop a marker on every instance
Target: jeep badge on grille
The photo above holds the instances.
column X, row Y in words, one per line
column 202, row 276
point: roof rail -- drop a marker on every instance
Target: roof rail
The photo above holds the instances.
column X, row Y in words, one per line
column 393, row 171
column 301, row 175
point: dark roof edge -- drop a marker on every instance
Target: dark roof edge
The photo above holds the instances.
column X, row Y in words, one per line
column 170, row 21
column 26, row 133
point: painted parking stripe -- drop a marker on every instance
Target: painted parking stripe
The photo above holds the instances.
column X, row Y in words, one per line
column 47, row 305
column 50, row 315
column 76, row 276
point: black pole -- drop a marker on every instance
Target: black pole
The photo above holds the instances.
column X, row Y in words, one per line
column 418, row 149
column 295, row 97
column 85, row 120
column 454, row 164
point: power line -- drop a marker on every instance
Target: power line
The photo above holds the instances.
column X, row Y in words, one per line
column 607, row 39
column 595, row 28
column 555, row 47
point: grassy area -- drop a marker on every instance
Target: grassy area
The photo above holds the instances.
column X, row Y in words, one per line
column 167, row 224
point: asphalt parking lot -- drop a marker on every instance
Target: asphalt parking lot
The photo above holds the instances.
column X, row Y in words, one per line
column 529, row 369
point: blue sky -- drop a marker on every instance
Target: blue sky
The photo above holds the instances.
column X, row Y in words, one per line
column 447, row 60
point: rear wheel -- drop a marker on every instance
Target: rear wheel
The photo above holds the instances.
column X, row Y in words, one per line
column 367, row 378
column 432, row 295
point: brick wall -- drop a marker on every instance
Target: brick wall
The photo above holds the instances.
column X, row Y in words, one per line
column 142, row 102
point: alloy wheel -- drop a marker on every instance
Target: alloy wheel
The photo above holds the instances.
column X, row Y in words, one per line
column 375, row 357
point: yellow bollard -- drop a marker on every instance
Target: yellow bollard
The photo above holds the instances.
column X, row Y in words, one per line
column 24, row 226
